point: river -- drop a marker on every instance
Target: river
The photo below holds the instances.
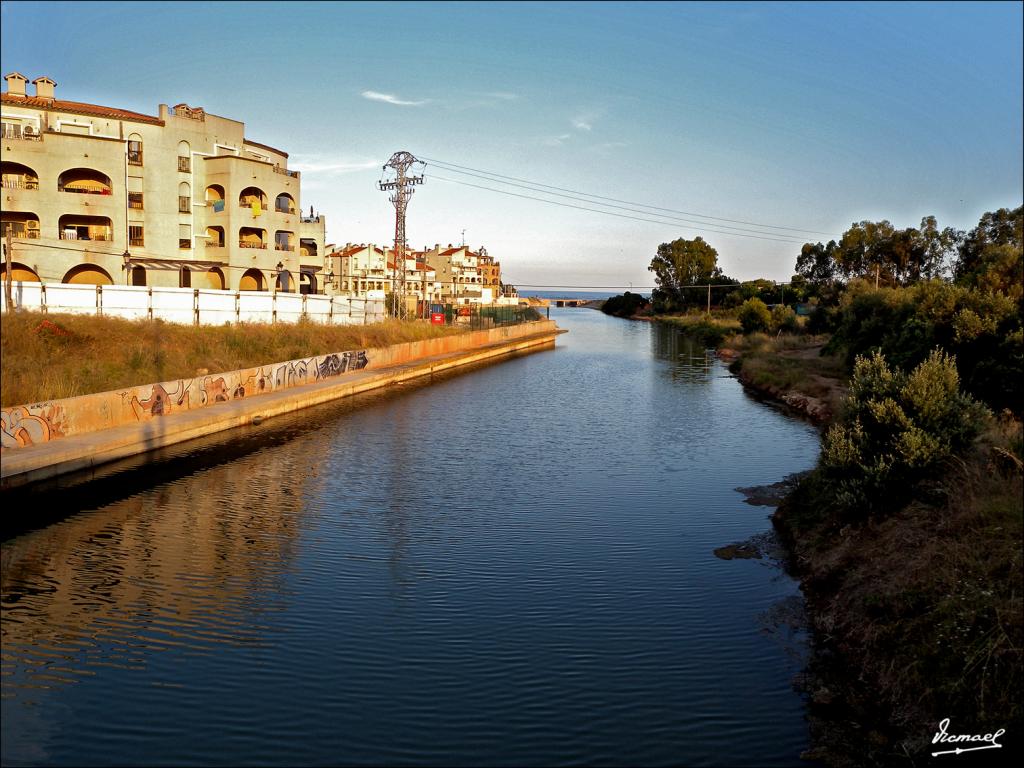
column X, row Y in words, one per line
column 510, row 565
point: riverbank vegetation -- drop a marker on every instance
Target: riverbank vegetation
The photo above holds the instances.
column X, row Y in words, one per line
column 907, row 535
column 55, row 356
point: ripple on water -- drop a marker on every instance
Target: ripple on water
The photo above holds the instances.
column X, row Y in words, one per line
column 512, row 566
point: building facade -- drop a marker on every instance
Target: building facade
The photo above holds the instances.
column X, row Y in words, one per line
column 100, row 195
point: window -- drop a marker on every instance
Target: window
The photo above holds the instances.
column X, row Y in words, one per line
column 184, row 204
column 185, row 164
column 135, row 200
column 135, row 235
column 184, row 237
column 135, row 152
column 185, row 278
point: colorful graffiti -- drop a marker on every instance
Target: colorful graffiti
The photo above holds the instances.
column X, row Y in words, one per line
column 33, row 424
column 21, row 427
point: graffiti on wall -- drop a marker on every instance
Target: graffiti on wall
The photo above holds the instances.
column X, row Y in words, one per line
column 33, row 424
column 21, row 427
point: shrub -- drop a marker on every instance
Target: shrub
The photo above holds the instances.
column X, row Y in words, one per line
column 784, row 319
column 625, row 305
column 754, row 316
column 897, row 430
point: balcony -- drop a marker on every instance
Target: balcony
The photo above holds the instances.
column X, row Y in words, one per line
column 281, row 209
column 247, row 244
column 279, row 247
column 85, row 190
column 286, row 172
column 98, row 237
column 22, row 132
column 135, row 241
column 20, row 183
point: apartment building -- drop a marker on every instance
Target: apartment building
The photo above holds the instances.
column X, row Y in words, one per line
column 100, row 195
column 365, row 267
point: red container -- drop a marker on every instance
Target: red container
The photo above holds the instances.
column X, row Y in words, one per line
column 437, row 318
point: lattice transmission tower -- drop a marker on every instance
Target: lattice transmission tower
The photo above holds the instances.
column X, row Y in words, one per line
column 402, row 186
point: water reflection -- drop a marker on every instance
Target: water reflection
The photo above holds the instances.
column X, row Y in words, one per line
column 510, row 567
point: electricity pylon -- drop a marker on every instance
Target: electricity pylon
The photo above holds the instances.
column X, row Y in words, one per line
column 402, row 186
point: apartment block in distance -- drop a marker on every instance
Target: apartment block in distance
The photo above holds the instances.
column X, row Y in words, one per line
column 100, row 195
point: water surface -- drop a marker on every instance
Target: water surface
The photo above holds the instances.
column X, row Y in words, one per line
column 509, row 566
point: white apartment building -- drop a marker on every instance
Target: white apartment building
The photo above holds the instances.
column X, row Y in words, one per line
column 101, row 195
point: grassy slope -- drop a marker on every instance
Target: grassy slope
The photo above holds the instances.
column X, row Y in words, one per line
column 57, row 356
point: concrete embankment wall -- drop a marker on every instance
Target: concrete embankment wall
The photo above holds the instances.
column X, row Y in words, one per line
column 44, row 440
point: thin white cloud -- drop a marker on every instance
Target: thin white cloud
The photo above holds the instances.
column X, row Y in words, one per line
column 602, row 149
column 331, row 166
column 389, row 98
column 557, row 141
column 502, row 95
column 582, row 124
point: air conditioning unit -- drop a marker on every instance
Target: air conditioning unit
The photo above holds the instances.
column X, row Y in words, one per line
column 32, row 225
column 29, row 130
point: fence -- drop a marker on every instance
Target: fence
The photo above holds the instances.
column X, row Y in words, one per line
column 482, row 316
column 193, row 306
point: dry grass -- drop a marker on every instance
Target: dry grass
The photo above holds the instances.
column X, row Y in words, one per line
column 790, row 363
column 57, row 356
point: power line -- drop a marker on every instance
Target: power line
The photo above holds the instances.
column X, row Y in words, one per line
column 700, row 224
column 454, row 167
column 619, row 215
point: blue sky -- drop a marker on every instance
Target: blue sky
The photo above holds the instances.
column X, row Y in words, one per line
column 791, row 115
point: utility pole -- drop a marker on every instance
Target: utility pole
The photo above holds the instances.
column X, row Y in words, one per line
column 402, row 186
column 463, row 238
column 8, row 258
column 709, row 300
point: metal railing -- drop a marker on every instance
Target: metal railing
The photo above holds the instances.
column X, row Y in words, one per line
column 185, row 164
column 22, row 183
column 25, row 133
column 87, row 238
column 258, row 246
column 481, row 316
column 279, row 247
column 279, row 209
column 245, row 204
column 286, row 172
column 184, row 205
column 24, row 234
column 84, row 191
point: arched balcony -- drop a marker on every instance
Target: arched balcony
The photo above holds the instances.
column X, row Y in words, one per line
column 252, row 280
column 87, row 274
column 307, row 247
column 251, row 237
column 84, row 181
column 250, row 197
column 134, row 149
column 215, row 198
column 215, row 237
column 18, row 176
column 73, row 226
column 284, row 240
column 284, row 203
column 22, row 225
column 20, row 273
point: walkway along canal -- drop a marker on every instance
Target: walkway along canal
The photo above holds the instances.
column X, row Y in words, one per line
column 510, row 566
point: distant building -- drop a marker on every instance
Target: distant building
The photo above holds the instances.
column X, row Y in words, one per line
column 101, row 195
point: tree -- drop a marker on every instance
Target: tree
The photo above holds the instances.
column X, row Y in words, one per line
column 991, row 256
column 754, row 316
column 679, row 264
column 817, row 263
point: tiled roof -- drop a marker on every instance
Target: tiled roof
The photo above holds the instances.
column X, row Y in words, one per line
column 450, row 251
column 78, row 108
column 266, row 146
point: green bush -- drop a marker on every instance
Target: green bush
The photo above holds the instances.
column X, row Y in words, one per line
column 896, row 431
column 754, row 316
column 784, row 319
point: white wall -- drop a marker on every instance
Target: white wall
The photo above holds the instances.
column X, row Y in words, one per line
column 192, row 305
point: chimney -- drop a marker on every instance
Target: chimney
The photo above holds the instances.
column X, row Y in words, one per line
column 16, row 83
column 44, row 87
column 164, row 112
